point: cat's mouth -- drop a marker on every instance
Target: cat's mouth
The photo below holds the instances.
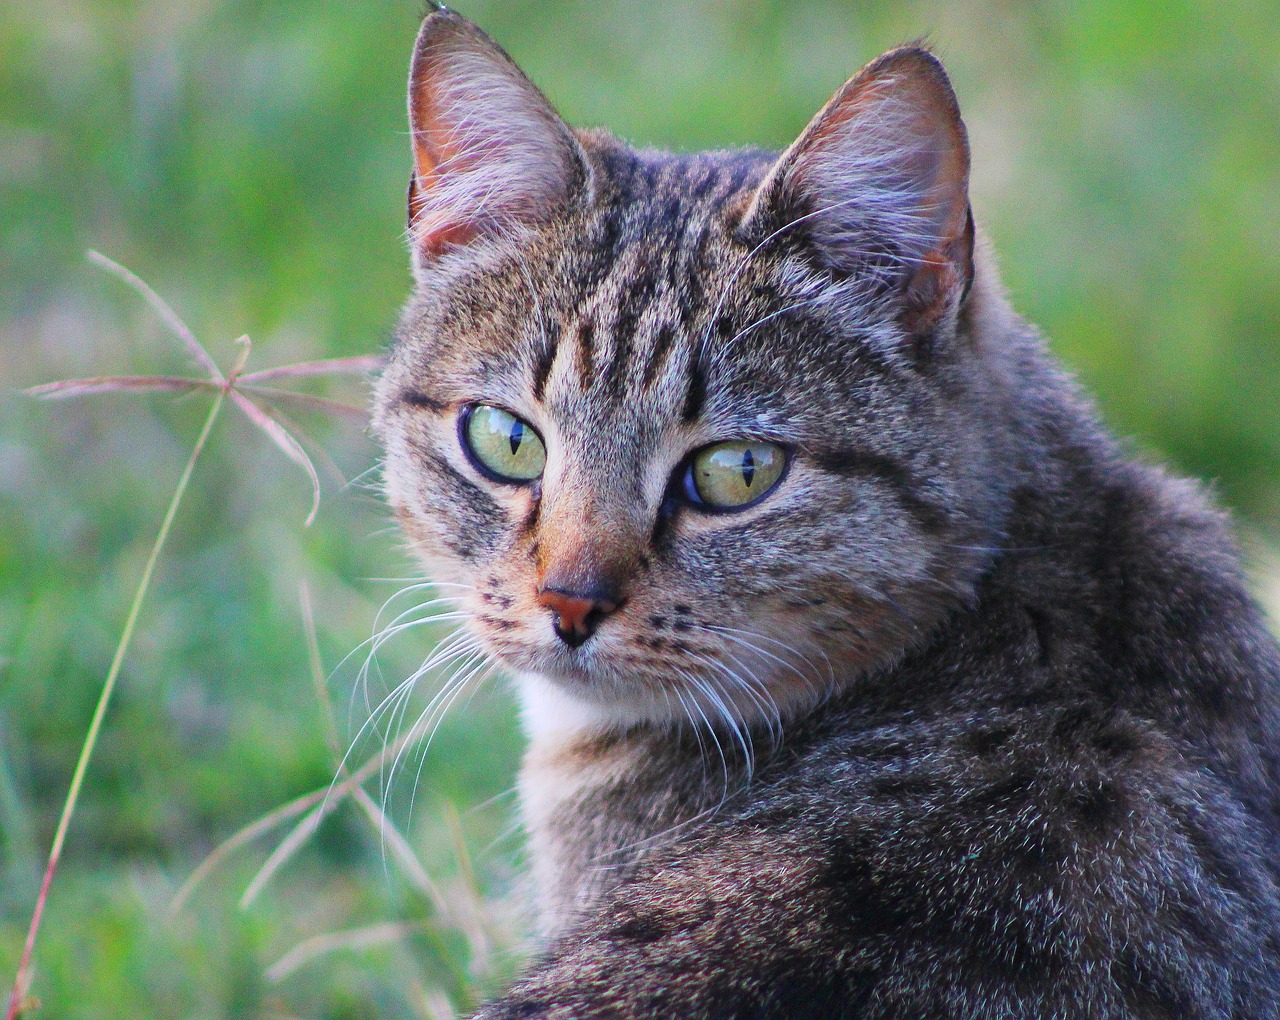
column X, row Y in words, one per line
column 579, row 651
column 660, row 665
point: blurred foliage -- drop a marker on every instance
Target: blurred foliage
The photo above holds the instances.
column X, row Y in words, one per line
column 249, row 160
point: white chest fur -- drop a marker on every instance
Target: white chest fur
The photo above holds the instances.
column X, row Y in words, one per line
column 556, row 777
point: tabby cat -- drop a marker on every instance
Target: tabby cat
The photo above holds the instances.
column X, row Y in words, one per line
column 864, row 674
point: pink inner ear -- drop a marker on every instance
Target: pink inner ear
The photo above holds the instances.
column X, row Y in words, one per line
column 449, row 191
column 490, row 153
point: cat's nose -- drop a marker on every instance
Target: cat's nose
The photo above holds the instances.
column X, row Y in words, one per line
column 578, row 613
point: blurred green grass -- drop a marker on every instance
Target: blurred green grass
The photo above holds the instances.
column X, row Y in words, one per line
column 249, row 160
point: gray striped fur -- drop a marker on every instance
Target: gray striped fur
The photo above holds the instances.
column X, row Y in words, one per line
column 971, row 717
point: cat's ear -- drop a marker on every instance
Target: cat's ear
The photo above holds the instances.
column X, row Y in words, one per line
column 877, row 186
column 490, row 153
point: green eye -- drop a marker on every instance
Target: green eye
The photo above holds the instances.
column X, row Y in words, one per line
column 500, row 445
column 729, row 476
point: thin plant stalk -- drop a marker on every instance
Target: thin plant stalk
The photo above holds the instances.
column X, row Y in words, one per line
column 104, row 699
column 223, row 386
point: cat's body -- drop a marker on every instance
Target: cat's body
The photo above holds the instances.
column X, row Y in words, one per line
column 1062, row 808
column 965, row 715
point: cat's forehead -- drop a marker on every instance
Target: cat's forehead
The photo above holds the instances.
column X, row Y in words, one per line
column 668, row 192
column 654, row 267
column 656, row 236
column 644, row 306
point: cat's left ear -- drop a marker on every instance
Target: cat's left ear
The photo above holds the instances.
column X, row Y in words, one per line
column 491, row 155
column 877, row 188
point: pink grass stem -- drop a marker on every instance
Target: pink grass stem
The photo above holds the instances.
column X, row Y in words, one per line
column 95, row 726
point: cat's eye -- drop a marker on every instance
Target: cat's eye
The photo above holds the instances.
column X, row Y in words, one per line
column 734, row 475
column 500, row 445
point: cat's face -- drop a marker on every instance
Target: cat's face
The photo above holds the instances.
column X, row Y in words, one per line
column 694, row 434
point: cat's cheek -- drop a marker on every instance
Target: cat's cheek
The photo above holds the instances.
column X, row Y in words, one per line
column 504, row 612
column 428, row 541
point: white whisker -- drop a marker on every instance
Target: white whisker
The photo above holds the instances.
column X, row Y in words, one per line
column 455, row 645
column 475, row 676
column 441, row 697
column 753, row 688
column 711, row 730
column 734, row 634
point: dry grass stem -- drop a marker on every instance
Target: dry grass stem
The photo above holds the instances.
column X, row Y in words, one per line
column 317, row 946
column 161, row 307
column 241, row 837
column 402, row 852
column 221, row 386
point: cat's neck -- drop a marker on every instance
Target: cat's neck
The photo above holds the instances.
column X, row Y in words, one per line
column 596, row 795
column 553, row 717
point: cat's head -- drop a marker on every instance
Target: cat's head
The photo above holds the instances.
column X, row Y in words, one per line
column 698, row 434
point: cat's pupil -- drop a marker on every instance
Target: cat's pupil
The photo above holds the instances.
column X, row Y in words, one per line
column 748, row 467
column 516, row 437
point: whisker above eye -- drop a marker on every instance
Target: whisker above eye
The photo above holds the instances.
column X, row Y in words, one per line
column 359, row 480
column 723, row 353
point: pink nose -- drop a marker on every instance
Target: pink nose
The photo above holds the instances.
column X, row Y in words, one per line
column 577, row 614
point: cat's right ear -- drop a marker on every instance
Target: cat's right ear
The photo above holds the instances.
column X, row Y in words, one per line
column 491, row 156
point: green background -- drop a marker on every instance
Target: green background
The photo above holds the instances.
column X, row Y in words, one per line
column 249, row 160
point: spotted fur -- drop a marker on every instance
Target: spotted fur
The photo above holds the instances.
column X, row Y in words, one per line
column 970, row 717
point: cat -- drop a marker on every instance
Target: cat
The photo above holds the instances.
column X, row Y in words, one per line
column 864, row 673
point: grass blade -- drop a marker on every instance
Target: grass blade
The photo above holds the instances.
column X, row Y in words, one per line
column 283, row 439
column 285, row 849
column 316, row 667
column 355, row 938
column 104, row 699
column 326, row 366
column 161, row 307
column 400, row 849
column 240, row 837
column 309, row 400
column 117, row 384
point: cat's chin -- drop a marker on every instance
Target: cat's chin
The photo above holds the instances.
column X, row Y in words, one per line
column 607, row 698
column 567, row 698
column 556, row 708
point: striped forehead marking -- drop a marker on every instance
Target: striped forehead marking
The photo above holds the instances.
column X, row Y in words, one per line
column 650, row 278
